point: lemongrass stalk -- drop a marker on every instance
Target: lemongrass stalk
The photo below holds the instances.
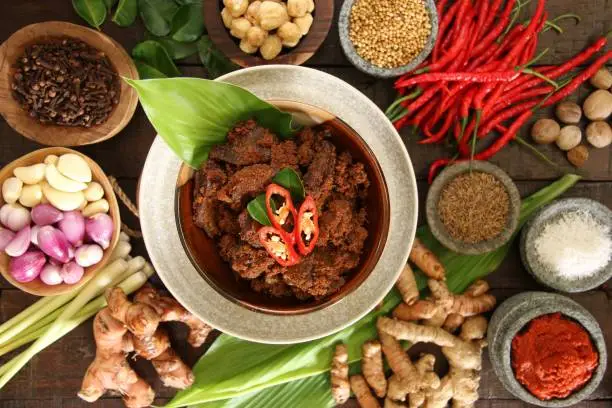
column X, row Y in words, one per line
column 129, row 285
column 122, row 250
column 89, row 291
column 124, row 237
column 134, row 265
column 41, row 304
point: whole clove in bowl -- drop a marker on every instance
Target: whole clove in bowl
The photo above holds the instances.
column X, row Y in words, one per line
column 60, row 84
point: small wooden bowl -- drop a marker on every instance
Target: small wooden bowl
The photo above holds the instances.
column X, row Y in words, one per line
column 55, row 135
column 37, row 287
column 322, row 19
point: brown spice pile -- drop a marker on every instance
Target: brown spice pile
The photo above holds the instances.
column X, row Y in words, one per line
column 66, row 82
column 389, row 33
column 474, row 207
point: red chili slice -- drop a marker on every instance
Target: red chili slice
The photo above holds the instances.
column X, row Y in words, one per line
column 307, row 229
column 278, row 244
column 280, row 216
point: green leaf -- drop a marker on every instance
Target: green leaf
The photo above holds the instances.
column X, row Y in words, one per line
column 126, row 12
column 145, row 71
column 289, row 179
column 92, row 11
column 258, row 211
column 157, row 15
column 176, row 50
column 193, row 114
column 188, row 23
column 184, row 2
column 110, row 3
column 155, row 55
column 239, row 374
column 214, row 61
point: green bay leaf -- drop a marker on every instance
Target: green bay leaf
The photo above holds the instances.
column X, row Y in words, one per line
column 92, row 11
column 126, row 13
column 188, row 23
column 155, row 55
column 157, row 15
column 257, row 210
column 214, row 61
column 289, row 179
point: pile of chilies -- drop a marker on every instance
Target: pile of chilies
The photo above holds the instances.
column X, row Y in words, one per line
column 477, row 78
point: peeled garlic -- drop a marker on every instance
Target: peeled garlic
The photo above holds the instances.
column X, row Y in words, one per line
column 62, row 200
column 75, row 167
column 31, row 195
column 51, row 159
column 33, row 174
column 11, row 189
column 97, row 207
column 94, row 191
column 62, row 183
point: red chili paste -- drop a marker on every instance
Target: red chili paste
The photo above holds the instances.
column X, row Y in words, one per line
column 553, row 357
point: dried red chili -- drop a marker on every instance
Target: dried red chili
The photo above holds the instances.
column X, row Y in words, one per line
column 279, row 246
column 307, row 228
column 280, row 216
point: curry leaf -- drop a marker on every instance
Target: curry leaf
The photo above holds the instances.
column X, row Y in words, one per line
column 145, row 71
column 157, row 15
column 126, row 12
column 193, row 114
column 188, row 23
column 155, row 55
column 257, row 210
column 92, row 11
column 214, row 61
column 236, row 373
column 176, row 50
column 289, row 179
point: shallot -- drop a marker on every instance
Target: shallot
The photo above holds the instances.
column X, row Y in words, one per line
column 53, row 242
column 14, row 216
column 51, row 274
column 20, row 243
column 88, row 255
column 99, row 229
column 34, row 234
column 6, row 236
column 73, row 227
column 72, row 273
column 46, row 214
column 27, row 267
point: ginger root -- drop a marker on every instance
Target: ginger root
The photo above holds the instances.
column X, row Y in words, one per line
column 426, row 261
column 372, row 367
column 341, row 390
column 362, row 392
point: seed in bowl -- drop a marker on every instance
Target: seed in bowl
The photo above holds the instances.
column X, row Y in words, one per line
column 389, row 33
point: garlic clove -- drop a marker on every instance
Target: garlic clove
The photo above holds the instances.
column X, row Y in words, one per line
column 31, row 195
column 11, row 189
column 62, row 183
column 88, row 255
column 62, row 200
column 33, row 174
column 75, row 167
column 97, row 207
column 51, row 159
column 94, row 191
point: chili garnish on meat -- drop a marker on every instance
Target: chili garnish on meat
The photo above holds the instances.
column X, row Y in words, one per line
column 307, row 229
column 279, row 215
column 279, row 246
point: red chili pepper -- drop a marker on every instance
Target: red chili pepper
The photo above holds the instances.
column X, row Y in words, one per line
column 499, row 28
column 442, row 30
column 280, row 216
column 490, row 18
column 278, row 245
column 473, row 77
column 505, row 115
column 307, row 231
column 443, row 131
column 528, row 33
column 433, row 168
column 451, row 54
column 506, row 100
column 505, row 138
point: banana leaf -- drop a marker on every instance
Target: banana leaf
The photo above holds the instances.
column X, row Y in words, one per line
column 193, row 114
column 237, row 373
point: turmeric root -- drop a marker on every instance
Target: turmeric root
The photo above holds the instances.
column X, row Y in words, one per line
column 362, row 392
column 421, row 309
column 390, row 403
column 425, row 368
column 110, row 369
column 415, row 333
column 341, row 390
column 426, row 261
column 439, row 397
column 170, row 310
column 407, row 286
column 372, row 367
column 395, row 390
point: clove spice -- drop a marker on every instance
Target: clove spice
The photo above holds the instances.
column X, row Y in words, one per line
column 66, row 82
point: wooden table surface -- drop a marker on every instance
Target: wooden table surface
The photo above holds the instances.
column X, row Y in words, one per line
column 54, row 376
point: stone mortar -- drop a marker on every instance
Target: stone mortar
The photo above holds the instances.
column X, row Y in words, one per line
column 512, row 316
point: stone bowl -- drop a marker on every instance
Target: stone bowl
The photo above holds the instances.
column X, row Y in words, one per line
column 512, row 316
column 534, row 228
column 439, row 230
column 371, row 69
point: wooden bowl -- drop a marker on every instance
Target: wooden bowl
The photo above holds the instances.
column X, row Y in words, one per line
column 56, row 135
column 204, row 251
column 323, row 15
column 37, row 287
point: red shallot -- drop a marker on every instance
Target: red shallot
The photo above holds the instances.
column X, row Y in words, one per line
column 27, row 267
column 99, row 229
column 51, row 275
column 6, row 236
column 88, row 255
column 20, row 243
column 46, row 214
column 53, row 242
column 14, row 216
column 72, row 273
column 73, row 227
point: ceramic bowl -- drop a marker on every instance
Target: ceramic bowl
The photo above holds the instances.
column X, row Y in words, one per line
column 55, row 135
column 165, row 244
column 323, row 16
column 436, row 225
column 365, row 66
column 37, row 287
column 513, row 315
column 544, row 217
